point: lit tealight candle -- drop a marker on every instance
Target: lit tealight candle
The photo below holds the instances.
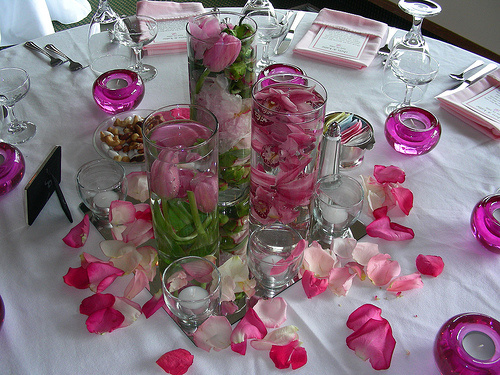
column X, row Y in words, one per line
column 194, row 298
column 334, row 215
column 479, row 345
column 104, row 198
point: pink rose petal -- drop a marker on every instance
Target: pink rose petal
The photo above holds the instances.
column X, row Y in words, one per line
column 298, row 357
column 176, row 362
column 290, row 354
column 380, row 269
column 362, row 314
column 272, row 311
column 313, row 285
column 121, row 212
column 385, row 229
column 340, row 280
column 105, row 320
column 77, row 277
column 364, row 251
column 281, row 336
column 249, row 327
column 96, row 302
column 406, row 282
column 131, row 310
column 137, row 186
column 317, row 260
column 431, row 265
column 78, row 235
column 404, row 198
column 101, row 275
column 154, row 304
column 344, row 247
column 213, row 333
column 390, row 174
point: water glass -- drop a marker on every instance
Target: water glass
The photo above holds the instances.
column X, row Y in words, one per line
column 192, row 291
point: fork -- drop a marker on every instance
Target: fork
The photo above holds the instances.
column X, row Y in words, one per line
column 73, row 65
column 54, row 61
column 460, row 76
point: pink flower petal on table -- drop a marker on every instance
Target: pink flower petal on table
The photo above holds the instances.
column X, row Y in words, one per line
column 385, row 229
column 281, row 336
column 406, row 282
column 431, row 265
column 96, row 302
column 404, row 198
column 101, row 275
column 121, row 212
column 313, row 285
column 136, row 284
column 362, row 314
column 249, row 327
column 373, row 341
column 317, row 260
column 364, row 251
column 343, row 247
column 391, row 174
column 78, row 235
column 340, row 280
column 176, row 362
column 291, row 354
column 137, row 186
column 213, row 333
column 272, row 311
column 358, row 269
column 131, row 310
column 380, row 269
column 105, row 320
column 77, row 277
column 154, row 304
column 138, row 232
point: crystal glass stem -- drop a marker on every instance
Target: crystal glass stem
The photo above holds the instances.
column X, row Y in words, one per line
column 408, row 93
column 414, row 38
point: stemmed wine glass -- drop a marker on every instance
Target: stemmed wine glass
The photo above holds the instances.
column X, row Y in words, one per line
column 268, row 28
column 136, row 32
column 14, row 85
column 252, row 5
column 414, row 68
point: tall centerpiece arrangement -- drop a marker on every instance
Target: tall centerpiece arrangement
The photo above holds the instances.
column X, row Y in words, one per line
column 181, row 152
column 221, row 61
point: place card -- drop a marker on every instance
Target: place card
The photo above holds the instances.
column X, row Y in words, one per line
column 486, row 103
column 338, row 42
column 171, row 31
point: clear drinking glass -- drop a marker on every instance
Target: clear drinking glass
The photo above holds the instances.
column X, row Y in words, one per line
column 14, row 85
column 252, row 5
column 269, row 27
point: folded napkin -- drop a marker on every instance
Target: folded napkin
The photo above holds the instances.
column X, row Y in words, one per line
column 477, row 104
column 172, row 18
column 343, row 38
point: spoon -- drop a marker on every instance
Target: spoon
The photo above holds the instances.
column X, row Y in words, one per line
column 460, row 76
column 54, row 61
column 73, row 65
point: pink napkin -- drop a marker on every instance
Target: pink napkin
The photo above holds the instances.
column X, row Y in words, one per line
column 454, row 103
column 343, row 38
column 172, row 18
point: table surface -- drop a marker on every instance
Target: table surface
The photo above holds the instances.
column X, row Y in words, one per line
column 44, row 332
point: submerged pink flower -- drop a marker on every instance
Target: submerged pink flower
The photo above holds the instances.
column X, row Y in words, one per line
column 206, row 188
column 431, row 265
column 164, row 179
column 78, row 235
column 223, row 53
column 176, row 362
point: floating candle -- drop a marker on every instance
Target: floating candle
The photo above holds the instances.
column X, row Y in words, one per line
column 267, row 263
column 104, row 198
column 479, row 345
column 194, row 298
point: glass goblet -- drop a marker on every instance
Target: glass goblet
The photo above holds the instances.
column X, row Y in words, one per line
column 136, row 32
column 415, row 68
column 268, row 28
column 14, row 85
column 252, row 5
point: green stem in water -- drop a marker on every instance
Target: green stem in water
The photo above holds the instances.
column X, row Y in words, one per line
column 196, row 215
column 199, row 84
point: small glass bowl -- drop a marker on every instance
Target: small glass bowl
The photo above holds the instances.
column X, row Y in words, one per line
column 412, row 130
column 11, row 167
column 118, row 90
column 485, row 222
column 468, row 344
column 281, row 69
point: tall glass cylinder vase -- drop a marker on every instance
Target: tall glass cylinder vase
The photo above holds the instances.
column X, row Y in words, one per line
column 221, row 60
column 287, row 125
column 181, row 151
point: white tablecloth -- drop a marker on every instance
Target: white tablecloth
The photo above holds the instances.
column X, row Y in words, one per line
column 44, row 333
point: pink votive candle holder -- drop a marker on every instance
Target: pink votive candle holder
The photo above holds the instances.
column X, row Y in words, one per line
column 118, row 91
column 468, row 344
column 11, row 167
column 412, row 130
column 485, row 222
column 282, row 70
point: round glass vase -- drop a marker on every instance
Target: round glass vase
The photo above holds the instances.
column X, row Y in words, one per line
column 118, row 91
column 221, row 69
column 181, row 149
column 485, row 222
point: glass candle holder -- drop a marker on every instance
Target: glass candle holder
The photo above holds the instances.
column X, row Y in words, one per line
column 412, row 130
column 485, row 222
column 192, row 291
column 118, row 91
column 468, row 344
column 11, row 167
column 282, row 70
column 2, row 312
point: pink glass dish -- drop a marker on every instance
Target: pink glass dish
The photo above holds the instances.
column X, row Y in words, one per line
column 282, row 70
column 2, row 312
column 485, row 222
column 468, row 344
column 118, row 91
column 412, row 130
column 11, row 167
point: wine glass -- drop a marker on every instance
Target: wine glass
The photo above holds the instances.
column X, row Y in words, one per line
column 268, row 28
column 252, row 5
column 14, row 85
column 414, row 68
column 136, row 32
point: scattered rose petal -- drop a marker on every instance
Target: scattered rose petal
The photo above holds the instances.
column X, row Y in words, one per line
column 313, row 285
column 101, row 275
column 155, row 303
column 213, row 333
column 249, row 327
column 390, row 174
column 281, row 336
column 77, row 277
column 381, row 270
column 176, row 362
column 78, row 235
column 406, row 282
column 121, row 212
column 362, row 314
column 431, row 265
column 131, row 310
column 272, row 311
column 404, row 198
column 317, row 260
column 364, row 251
column 137, row 186
column 102, row 316
column 382, row 227
column 343, row 247
column 340, row 280
column 291, row 354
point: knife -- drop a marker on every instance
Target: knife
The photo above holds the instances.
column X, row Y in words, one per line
column 285, row 43
column 472, row 79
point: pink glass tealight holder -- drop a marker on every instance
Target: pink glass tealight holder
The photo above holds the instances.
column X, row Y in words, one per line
column 282, row 70
column 468, row 344
column 11, row 167
column 2, row 312
column 485, row 222
column 118, row 91
column 412, row 130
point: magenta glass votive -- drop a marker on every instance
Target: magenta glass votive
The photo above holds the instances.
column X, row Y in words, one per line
column 2, row 312
column 118, row 91
column 412, row 130
column 11, row 167
column 468, row 344
column 282, row 70
column 485, row 222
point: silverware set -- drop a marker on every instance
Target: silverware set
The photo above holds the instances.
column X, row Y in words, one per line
column 54, row 54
